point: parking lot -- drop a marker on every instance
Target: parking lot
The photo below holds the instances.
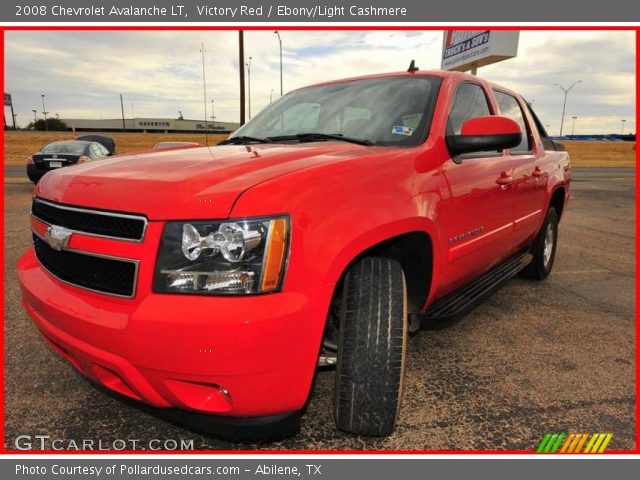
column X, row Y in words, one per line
column 557, row 356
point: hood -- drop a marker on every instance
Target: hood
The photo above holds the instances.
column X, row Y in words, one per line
column 195, row 183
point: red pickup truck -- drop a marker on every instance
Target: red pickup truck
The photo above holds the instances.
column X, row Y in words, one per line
column 211, row 283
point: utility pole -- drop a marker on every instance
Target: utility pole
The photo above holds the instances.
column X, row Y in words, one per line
column 124, row 128
column 241, row 62
column 35, row 118
column 622, row 131
column 280, row 42
column 249, row 84
column 564, row 105
column 213, row 116
column 573, row 126
column 44, row 112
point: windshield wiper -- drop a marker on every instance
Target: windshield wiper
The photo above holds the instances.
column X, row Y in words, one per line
column 243, row 139
column 311, row 136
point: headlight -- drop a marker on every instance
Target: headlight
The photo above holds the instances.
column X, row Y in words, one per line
column 222, row 258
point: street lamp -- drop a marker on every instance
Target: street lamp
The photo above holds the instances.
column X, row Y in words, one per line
column 248, row 64
column 564, row 105
column 35, row 118
column 622, row 131
column 280, row 41
column 213, row 116
column 573, row 126
column 44, row 112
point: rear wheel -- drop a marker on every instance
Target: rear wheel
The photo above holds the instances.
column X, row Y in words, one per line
column 371, row 347
column 544, row 248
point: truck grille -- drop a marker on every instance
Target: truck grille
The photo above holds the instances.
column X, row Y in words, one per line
column 108, row 275
column 93, row 222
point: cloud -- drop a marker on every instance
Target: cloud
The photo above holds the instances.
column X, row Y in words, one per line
column 159, row 72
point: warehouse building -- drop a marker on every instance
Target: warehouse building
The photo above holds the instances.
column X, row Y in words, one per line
column 144, row 125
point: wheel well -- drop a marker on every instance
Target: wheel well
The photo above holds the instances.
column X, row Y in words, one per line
column 557, row 200
column 414, row 252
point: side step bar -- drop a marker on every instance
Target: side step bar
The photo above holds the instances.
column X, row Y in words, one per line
column 447, row 309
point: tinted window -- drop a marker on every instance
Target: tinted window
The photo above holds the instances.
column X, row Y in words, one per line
column 468, row 102
column 509, row 107
column 547, row 143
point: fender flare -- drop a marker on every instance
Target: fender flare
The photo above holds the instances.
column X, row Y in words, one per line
column 360, row 244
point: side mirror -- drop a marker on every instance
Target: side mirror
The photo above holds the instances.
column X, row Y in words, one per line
column 485, row 134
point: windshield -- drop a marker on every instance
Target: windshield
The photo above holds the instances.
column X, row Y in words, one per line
column 382, row 111
column 72, row 148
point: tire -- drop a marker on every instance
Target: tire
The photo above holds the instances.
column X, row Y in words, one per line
column 371, row 347
column 544, row 253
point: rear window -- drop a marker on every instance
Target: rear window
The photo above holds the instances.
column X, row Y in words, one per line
column 71, row 148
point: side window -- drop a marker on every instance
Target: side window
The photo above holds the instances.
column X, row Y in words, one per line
column 468, row 102
column 509, row 107
column 547, row 143
column 93, row 151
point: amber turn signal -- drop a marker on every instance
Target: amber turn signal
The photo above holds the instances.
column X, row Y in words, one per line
column 275, row 255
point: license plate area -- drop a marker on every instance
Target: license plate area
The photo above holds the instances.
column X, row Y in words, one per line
column 55, row 164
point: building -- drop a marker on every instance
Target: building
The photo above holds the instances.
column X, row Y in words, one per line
column 160, row 125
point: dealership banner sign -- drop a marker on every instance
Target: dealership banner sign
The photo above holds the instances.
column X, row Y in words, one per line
column 464, row 50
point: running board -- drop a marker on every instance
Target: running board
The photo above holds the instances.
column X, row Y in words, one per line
column 448, row 308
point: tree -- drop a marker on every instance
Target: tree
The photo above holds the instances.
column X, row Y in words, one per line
column 53, row 124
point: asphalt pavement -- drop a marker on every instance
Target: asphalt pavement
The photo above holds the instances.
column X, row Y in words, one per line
column 556, row 356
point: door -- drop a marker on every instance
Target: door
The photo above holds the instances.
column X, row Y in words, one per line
column 475, row 213
column 528, row 190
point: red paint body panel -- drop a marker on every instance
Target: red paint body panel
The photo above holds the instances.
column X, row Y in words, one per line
column 256, row 355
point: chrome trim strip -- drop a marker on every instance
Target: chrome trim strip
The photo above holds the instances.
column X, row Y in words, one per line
column 94, row 212
column 526, row 217
column 136, row 263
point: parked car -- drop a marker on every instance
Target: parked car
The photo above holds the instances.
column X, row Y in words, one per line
column 107, row 142
column 62, row 154
column 166, row 145
column 342, row 217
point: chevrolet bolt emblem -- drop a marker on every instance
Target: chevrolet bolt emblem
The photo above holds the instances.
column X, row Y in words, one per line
column 57, row 237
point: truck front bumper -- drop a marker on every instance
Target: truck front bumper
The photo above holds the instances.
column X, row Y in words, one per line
column 240, row 357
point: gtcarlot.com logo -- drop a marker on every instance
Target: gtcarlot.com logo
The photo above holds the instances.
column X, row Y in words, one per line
column 45, row 442
column 574, row 443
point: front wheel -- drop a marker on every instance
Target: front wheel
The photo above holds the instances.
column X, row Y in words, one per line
column 544, row 248
column 371, row 347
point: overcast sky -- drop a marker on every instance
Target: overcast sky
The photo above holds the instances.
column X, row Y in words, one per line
column 160, row 72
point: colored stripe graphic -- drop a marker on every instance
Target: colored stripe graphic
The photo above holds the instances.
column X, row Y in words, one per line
column 573, row 443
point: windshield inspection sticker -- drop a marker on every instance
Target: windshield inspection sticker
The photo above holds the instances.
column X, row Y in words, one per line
column 401, row 130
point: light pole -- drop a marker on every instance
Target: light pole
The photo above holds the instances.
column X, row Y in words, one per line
column 213, row 116
column 622, row 121
column 573, row 126
column 248, row 64
column 44, row 112
column 280, row 41
column 35, row 118
column 564, row 105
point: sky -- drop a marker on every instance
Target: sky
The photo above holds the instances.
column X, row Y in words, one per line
column 83, row 73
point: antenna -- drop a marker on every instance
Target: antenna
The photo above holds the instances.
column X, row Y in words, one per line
column 412, row 67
